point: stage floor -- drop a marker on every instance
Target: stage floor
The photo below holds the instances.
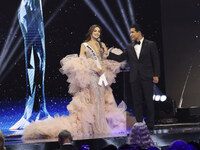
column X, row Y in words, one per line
column 162, row 135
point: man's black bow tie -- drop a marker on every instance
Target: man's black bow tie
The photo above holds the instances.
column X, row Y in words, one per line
column 136, row 42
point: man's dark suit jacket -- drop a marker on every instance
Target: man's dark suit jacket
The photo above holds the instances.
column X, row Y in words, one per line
column 148, row 64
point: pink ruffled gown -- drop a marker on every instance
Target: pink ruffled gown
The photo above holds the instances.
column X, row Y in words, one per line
column 93, row 110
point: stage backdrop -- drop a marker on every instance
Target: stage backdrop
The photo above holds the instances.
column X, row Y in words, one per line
column 181, row 46
column 66, row 22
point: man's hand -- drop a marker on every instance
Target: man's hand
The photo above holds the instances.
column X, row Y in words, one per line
column 155, row 79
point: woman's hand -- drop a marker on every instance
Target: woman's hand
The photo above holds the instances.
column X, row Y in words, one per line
column 102, row 50
column 100, row 72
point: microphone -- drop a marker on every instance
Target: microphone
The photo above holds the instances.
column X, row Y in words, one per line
column 99, row 41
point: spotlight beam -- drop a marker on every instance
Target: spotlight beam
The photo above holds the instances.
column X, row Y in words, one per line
column 55, row 13
column 114, row 21
column 11, row 54
column 95, row 10
column 131, row 14
column 9, row 68
column 4, row 65
column 8, row 44
column 124, row 16
column 9, row 40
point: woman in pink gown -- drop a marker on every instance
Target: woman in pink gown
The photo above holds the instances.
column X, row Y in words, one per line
column 93, row 110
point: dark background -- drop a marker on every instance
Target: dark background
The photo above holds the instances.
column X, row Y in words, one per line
column 181, row 48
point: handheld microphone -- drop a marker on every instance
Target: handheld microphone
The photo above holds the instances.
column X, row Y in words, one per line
column 99, row 41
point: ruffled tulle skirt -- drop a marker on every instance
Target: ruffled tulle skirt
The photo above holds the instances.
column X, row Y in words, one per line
column 93, row 109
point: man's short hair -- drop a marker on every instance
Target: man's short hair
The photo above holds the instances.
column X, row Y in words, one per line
column 65, row 134
column 137, row 27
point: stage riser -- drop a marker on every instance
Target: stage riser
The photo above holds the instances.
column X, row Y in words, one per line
column 185, row 115
column 164, row 140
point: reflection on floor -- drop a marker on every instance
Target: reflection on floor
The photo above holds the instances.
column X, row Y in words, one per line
column 12, row 111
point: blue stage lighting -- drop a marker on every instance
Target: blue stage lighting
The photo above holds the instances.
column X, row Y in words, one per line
column 131, row 13
column 114, row 21
column 56, row 12
column 11, row 54
column 5, row 50
column 9, row 40
column 124, row 17
column 95, row 10
column 9, row 68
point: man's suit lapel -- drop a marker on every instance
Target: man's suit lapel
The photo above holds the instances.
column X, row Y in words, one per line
column 144, row 44
column 133, row 52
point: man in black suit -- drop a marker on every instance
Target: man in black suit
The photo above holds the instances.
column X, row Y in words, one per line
column 144, row 62
column 65, row 140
